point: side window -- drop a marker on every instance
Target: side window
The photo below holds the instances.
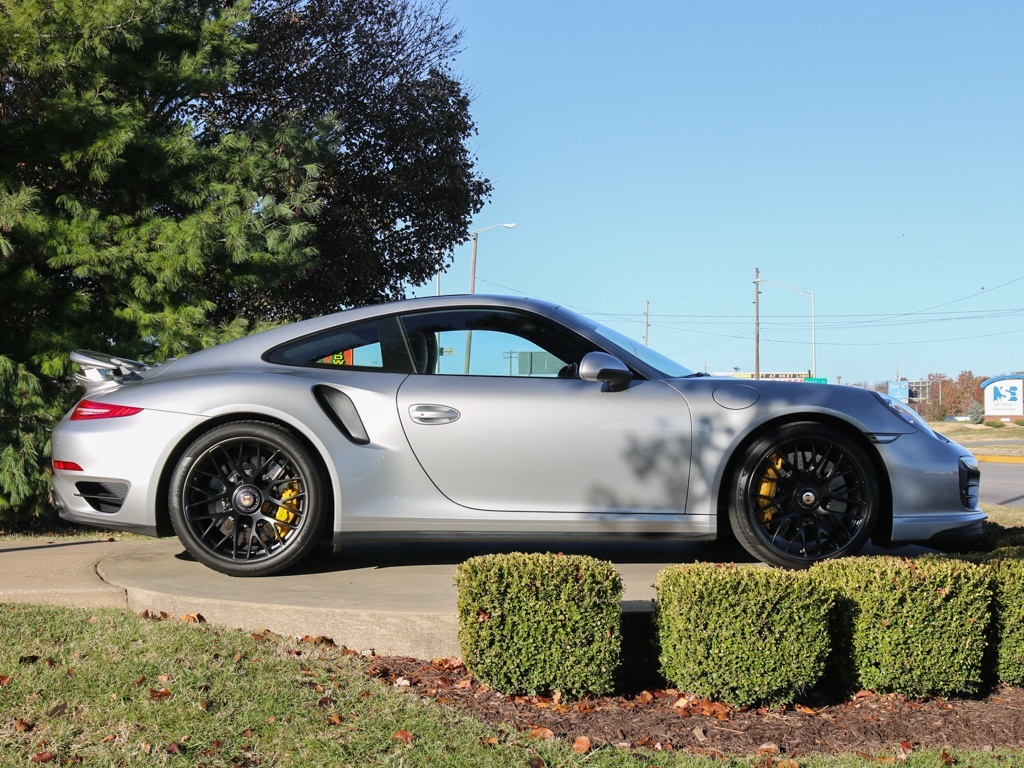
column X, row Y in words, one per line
column 490, row 342
column 371, row 345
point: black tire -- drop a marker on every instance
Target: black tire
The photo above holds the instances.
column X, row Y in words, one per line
column 803, row 493
column 247, row 499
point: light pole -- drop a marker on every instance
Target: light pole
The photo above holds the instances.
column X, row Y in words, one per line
column 472, row 281
column 472, row 264
column 757, row 352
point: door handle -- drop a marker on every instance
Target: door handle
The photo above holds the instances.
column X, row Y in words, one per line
column 433, row 414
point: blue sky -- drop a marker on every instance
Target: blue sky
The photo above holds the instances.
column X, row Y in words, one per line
column 868, row 152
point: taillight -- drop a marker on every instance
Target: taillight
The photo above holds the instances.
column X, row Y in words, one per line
column 90, row 409
column 67, row 466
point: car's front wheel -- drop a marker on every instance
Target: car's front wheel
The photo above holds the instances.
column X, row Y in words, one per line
column 803, row 493
column 247, row 499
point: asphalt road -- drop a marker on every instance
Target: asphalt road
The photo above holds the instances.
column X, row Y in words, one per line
column 1002, row 484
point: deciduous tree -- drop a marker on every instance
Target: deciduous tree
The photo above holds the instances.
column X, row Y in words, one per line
column 397, row 182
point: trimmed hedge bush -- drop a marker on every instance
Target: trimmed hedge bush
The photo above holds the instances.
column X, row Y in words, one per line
column 1006, row 567
column 532, row 623
column 916, row 627
column 742, row 635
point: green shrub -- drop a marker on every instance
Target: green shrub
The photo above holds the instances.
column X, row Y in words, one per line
column 915, row 627
column 532, row 623
column 975, row 412
column 1006, row 567
column 742, row 635
column 995, row 424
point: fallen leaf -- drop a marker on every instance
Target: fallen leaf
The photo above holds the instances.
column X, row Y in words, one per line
column 581, row 746
column 58, row 710
column 403, row 736
column 28, row 659
column 108, row 738
column 334, row 719
column 173, row 749
column 5, row 680
column 159, row 694
column 542, row 733
column 535, row 762
column 804, row 710
column 325, row 702
column 947, row 759
column 699, row 733
column 787, row 763
column 768, row 749
column 43, row 757
column 490, row 741
column 23, row 726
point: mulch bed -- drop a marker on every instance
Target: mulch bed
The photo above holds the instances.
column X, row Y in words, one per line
column 881, row 727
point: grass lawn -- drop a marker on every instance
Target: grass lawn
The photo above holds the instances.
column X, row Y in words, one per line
column 966, row 434
column 109, row 688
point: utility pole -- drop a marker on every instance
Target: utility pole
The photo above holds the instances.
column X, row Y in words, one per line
column 757, row 323
column 647, row 321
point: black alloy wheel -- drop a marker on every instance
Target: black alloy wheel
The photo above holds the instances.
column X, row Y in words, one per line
column 247, row 499
column 804, row 493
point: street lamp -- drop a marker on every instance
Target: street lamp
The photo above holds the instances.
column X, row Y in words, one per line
column 814, row 353
column 472, row 282
column 476, row 238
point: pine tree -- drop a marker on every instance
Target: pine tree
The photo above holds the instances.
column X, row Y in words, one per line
column 123, row 222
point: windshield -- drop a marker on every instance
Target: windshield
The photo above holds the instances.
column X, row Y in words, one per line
column 664, row 365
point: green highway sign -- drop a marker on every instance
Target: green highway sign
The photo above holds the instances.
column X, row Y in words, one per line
column 813, row 380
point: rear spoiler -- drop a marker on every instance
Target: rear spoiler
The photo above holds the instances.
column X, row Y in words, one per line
column 101, row 372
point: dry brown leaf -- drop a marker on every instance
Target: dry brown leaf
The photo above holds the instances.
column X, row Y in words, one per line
column 43, row 757
column 541, row 732
column 403, row 736
column 581, row 746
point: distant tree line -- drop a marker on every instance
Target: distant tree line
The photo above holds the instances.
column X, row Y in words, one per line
column 176, row 174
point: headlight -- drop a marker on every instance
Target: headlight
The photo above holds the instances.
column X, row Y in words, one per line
column 905, row 412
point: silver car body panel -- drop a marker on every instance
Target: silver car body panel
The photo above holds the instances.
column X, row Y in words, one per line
column 492, row 454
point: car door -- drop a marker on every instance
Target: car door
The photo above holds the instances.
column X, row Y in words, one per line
column 499, row 422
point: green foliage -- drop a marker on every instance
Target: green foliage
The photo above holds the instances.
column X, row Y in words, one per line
column 742, row 635
column 995, row 424
column 1006, row 566
column 916, row 627
column 539, row 623
column 398, row 185
column 122, row 224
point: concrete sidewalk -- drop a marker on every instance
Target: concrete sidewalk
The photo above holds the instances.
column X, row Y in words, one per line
column 387, row 598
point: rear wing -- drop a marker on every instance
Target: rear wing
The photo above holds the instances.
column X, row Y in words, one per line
column 102, row 372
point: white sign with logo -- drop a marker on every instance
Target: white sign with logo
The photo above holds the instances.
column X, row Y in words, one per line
column 1005, row 397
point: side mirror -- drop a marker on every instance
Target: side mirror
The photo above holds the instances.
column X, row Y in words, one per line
column 600, row 366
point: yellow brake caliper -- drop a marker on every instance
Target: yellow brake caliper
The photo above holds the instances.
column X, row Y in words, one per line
column 288, row 511
column 766, row 493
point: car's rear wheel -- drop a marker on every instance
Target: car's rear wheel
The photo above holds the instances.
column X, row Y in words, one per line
column 804, row 492
column 247, row 499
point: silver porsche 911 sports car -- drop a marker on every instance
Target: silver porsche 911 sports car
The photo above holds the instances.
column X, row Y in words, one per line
column 488, row 415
